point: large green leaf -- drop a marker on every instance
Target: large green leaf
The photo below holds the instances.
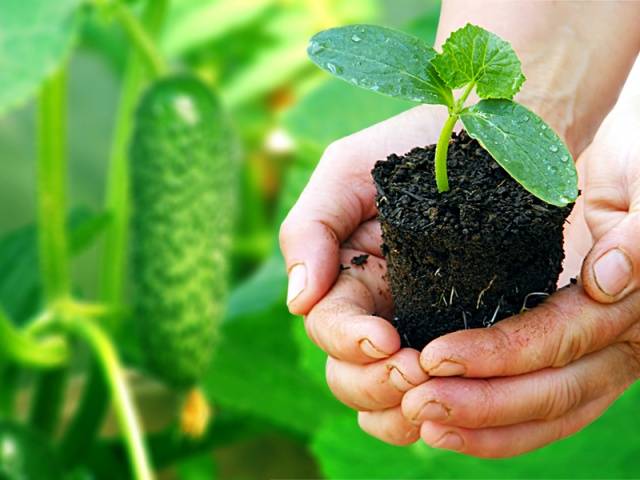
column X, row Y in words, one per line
column 523, row 144
column 345, row 451
column 195, row 22
column 19, row 282
column 35, row 37
column 609, row 448
column 26, row 454
column 255, row 371
column 473, row 55
column 381, row 59
column 334, row 110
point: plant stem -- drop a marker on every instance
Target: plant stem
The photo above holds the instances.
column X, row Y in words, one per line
column 442, row 147
column 117, row 197
column 52, row 239
column 52, row 170
column 463, row 98
column 140, row 38
column 84, row 427
column 107, row 358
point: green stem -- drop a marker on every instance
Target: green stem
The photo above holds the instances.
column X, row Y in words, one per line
column 117, row 197
column 21, row 348
column 52, row 239
column 463, row 98
column 107, row 358
column 52, row 170
column 140, row 38
column 47, row 401
column 442, row 147
column 85, row 425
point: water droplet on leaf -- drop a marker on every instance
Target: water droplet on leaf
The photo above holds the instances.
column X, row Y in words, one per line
column 553, row 148
column 355, row 38
column 544, row 127
column 525, row 118
column 333, row 68
column 315, row 47
column 564, row 158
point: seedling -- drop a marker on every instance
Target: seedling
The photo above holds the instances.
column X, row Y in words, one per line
column 400, row 65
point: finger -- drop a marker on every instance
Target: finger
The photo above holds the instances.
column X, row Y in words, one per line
column 501, row 442
column 343, row 326
column 339, row 197
column 611, row 271
column 389, row 426
column 564, row 328
column 370, row 271
column 378, row 385
column 543, row 395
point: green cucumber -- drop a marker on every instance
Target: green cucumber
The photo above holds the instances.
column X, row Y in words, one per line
column 182, row 191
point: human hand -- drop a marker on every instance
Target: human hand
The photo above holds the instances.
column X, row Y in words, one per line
column 543, row 375
column 333, row 221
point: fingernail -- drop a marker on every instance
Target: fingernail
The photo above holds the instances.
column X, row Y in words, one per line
column 612, row 272
column 370, row 350
column 432, row 410
column 398, row 380
column 447, row 368
column 450, row 441
column 297, row 281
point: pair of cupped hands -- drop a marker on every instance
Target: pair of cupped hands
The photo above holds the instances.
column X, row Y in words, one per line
column 525, row 382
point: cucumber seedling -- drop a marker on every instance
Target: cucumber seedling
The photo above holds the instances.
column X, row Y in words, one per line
column 484, row 238
column 400, row 65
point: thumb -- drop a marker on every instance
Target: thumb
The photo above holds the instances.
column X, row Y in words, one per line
column 337, row 199
column 611, row 270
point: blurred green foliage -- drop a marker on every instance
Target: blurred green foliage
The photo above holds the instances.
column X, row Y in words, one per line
column 274, row 410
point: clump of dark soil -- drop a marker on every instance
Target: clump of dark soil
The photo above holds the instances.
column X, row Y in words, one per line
column 468, row 257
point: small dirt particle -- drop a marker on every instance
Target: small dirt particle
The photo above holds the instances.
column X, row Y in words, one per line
column 359, row 260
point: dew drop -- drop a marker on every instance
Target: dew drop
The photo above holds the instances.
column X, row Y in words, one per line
column 544, row 127
column 332, row 68
column 553, row 148
column 525, row 118
column 355, row 38
column 315, row 47
column 564, row 158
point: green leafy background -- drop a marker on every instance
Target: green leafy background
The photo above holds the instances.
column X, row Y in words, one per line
column 275, row 417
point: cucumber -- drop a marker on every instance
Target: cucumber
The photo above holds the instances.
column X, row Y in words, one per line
column 182, row 192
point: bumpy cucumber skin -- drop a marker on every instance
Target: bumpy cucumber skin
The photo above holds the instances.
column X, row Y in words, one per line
column 182, row 190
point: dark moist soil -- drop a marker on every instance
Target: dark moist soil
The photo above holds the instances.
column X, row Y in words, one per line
column 468, row 257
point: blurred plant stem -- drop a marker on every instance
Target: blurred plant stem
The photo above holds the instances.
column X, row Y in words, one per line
column 117, row 197
column 85, row 426
column 52, row 239
column 140, row 37
column 106, row 358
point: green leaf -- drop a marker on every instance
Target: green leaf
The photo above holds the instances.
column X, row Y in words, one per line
column 255, row 370
column 26, row 454
column 473, row 55
column 334, row 110
column 381, row 59
column 35, row 37
column 19, row 283
column 526, row 147
column 195, row 22
column 608, row 448
column 345, row 451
